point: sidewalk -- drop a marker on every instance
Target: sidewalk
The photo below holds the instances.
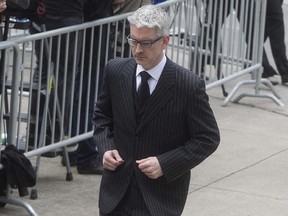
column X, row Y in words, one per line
column 246, row 176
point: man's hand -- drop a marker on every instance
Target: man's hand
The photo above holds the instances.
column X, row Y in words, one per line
column 150, row 167
column 111, row 160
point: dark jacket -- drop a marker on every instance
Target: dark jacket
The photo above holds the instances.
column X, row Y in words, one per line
column 97, row 9
column 177, row 126
column 18, row 169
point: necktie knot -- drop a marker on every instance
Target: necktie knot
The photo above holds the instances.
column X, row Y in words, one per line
column 144, row 76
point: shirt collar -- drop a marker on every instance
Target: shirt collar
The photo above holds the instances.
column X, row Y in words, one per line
column 155, row 72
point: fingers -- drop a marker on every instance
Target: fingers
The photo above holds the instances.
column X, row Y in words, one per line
column 111, row 160
column 150, row 167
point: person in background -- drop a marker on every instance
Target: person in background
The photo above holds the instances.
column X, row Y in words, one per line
column 3, row 5
column 58, row 14
column 152, row 124
column 125, row 6
column 157, row 1
column 216, row 13
column 274, row 30
column 86, row 157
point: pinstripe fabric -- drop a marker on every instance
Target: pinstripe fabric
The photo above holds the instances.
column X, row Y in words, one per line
column 177, row 126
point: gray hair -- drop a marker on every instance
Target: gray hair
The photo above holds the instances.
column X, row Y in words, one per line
column 151, row 16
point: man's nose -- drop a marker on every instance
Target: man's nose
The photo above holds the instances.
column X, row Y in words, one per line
column 138, row 48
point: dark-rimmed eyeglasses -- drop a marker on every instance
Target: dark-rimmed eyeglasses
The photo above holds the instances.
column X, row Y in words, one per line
column 143, row 43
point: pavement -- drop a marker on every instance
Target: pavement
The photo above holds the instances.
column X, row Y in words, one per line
column 246, row 176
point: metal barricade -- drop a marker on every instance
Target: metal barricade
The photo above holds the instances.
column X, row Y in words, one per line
column 221, row 41
column 9, row 100
column 61, row 70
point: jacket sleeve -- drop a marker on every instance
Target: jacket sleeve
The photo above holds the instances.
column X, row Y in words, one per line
column 203, row 131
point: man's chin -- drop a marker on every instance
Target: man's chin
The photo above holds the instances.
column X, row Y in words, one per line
column 140, row 61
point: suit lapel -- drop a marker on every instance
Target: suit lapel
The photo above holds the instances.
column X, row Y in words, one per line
column 127, row 87
column 160, row 96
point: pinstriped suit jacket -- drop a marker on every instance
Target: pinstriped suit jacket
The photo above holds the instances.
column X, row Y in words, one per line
column 178, row 126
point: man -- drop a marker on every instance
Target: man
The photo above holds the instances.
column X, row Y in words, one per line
column 148, row 150
column 274, row 30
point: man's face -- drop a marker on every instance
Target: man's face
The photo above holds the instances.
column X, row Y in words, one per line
column 148, row 57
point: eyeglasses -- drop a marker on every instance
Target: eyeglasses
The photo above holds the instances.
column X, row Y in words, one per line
column 144, row 43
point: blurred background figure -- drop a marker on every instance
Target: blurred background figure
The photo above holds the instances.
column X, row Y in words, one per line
column 3, row 5
column 274, row 30
column 157, row 1
column 125, row 6
column 58, row 14
column 86, row 157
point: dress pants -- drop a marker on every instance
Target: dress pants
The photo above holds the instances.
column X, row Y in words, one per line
column 132, row 204
column 274, row 30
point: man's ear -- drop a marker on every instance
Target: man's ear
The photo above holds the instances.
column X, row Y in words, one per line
column 166, row 39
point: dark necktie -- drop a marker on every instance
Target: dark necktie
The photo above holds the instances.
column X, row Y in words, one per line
column 143, row 90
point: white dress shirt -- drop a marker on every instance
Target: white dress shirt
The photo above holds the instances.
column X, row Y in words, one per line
column 155, row 74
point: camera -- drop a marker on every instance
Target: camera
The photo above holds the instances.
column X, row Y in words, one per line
column 34, row 10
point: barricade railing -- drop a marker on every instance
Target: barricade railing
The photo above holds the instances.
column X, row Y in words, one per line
column 61, row 70
column 221, row 41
